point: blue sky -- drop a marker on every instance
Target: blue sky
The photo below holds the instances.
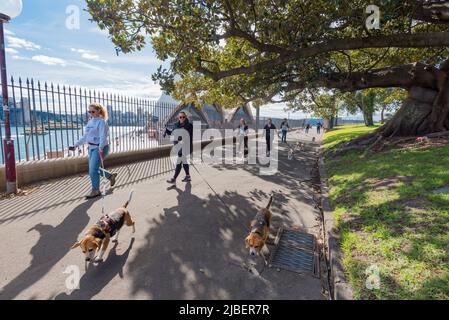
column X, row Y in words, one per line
column 40, row 46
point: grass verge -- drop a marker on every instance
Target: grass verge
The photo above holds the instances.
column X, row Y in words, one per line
column 392, row 210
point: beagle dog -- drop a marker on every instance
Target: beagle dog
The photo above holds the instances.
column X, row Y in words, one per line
column 260, row 230
column 98, row 236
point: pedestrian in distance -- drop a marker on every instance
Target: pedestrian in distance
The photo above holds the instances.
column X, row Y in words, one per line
column 242, row 138
column 284, row 129
column 96, row 136
column 270, row 131
column 183, row 123
column 308, row 128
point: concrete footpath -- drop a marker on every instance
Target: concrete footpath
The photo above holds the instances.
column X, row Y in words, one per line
column 189, row 240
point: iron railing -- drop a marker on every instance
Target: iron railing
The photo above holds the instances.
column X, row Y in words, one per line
column 48, row 118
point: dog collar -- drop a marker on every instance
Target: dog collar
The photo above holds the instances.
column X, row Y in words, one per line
column 257, row 231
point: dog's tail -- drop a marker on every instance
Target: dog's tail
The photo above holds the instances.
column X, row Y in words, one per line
column 270, row 202
column 129, row 199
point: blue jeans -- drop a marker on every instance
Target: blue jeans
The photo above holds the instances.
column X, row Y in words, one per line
column 94, row 167
column 284, row 136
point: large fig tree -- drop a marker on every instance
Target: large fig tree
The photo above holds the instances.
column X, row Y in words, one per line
column 263, row 50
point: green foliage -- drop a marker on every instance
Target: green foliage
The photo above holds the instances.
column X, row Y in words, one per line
column 203, row 37
column 389, row 215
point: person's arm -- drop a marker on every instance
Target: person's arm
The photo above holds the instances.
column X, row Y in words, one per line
column 167, row 132
column 82, row 140
column 103, row 131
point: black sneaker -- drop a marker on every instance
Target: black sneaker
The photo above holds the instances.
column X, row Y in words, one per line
column 112, row 179
column 187, row 179
column 172, row 180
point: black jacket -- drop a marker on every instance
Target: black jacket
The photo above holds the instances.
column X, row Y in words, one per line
column 186, row 126
column 268, row 129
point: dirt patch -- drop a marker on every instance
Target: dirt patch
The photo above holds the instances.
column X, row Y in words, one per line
column 410, row 143
column 22, row 192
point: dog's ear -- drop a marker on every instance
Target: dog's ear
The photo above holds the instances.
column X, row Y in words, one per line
column 247, row 242
column 76, row 245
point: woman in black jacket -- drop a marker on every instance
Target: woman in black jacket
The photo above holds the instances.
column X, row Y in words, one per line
column 182, row 162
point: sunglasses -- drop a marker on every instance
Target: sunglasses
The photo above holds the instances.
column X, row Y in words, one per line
column 92, row 111
column 182, row 117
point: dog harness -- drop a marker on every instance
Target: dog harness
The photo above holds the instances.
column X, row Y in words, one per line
column 109, row 224
column 260, row 222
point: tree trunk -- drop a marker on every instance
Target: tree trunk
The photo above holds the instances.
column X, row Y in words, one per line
column 424, row 111
column 368, row 118
column 329, row 123
column 382, row 119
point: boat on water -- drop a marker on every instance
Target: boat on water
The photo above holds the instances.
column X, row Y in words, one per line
column 35, row 131
column 55, row 125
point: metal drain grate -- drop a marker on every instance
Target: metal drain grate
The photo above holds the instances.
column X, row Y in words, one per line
column 295, row 251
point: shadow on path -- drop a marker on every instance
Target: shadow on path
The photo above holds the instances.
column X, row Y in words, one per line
column 53, row 244
column 98, row 276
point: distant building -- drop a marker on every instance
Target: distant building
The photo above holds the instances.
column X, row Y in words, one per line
column 20, row 113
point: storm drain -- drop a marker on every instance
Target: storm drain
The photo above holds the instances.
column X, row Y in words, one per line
column 295, row 251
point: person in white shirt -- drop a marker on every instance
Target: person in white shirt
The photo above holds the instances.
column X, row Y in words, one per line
column 96, row 136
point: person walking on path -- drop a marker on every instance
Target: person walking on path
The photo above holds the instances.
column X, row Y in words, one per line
column 318, row 128
column 96, row 136
column 268, row 136
column 308, row 128
column 284, row 128
column 242, row 138
column 182, row 124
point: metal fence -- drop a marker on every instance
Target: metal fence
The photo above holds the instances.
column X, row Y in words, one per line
column 48, row 118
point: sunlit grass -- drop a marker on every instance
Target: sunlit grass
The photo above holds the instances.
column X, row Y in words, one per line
column 389, row 216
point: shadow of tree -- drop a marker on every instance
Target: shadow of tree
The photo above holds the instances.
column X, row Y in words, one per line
column 52, row 246
column 389, row 204
column 195, row 250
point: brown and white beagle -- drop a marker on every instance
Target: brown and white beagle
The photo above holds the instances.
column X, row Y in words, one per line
column 98, row 236
column 260, row 230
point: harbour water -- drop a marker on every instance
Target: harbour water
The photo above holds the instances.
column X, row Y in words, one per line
column 45, row 144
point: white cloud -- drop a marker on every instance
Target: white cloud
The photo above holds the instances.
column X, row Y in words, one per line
column 11, row 51
column 88, row 55
column 17, row 57
column 9, row 33
column 19, row 43
column 93, row 57
column 51, row 61
column 80, row 50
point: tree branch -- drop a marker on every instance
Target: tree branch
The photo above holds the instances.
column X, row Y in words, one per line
column 419, row 40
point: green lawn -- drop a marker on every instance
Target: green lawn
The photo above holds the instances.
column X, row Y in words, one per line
column 390, row 217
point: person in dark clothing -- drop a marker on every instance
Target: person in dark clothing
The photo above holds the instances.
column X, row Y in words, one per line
column 242, row 138
column 318, row 128
column 268, row 136
column 183, row 123
column 308, row 126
